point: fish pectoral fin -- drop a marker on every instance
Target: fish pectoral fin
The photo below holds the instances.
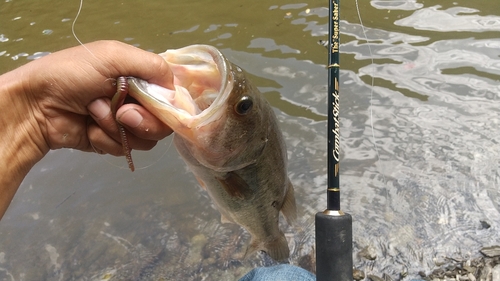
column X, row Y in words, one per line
column 289, row 209
column 276, row 247
column 235, row 186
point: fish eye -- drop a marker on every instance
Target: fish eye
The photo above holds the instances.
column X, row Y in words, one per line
column 244, row 105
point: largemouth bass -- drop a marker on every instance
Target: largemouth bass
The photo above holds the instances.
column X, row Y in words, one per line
column 228, row 135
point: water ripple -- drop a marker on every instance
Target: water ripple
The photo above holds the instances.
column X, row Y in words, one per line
column 454, row 19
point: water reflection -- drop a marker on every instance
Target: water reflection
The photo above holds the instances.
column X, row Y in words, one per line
column 426, row 177
column 454, row 19
column 419, row 149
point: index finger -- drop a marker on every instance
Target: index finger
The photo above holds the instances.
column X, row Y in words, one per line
column 120, row 59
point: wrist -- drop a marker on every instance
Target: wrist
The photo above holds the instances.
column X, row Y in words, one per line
column 20, row 137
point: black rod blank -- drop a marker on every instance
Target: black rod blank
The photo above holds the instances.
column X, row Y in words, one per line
column 333, row 191
column 333, row 227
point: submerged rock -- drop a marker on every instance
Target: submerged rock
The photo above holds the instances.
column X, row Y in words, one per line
column 483, row 268
column 491, row 252
column 368, row 253
column 358, row 274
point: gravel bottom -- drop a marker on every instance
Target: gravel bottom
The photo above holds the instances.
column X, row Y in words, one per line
column 484, row 268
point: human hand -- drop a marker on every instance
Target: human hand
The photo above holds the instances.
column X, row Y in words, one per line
column 68, row 94
column 63, row 100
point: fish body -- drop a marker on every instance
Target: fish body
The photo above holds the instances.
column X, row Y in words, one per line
column 228, row 135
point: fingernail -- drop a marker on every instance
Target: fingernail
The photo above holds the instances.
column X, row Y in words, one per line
column 99, row 109
column 131, row 118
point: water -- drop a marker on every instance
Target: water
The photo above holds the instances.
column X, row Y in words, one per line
column 419, row 167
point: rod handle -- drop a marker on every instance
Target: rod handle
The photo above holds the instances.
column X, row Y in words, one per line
column 333, row 246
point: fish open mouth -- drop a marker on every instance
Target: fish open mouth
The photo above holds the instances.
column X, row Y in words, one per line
column 202, row 82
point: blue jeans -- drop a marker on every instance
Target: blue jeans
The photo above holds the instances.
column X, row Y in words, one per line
column 282, row 272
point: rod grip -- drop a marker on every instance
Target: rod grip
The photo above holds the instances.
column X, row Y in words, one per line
column 333, row 246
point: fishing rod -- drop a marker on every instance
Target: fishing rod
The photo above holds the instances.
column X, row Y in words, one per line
column 333, row 226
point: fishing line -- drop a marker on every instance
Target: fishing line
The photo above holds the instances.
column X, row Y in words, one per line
column 158, row 160
column 372, row 84
column 73, row 28
column 126, row 167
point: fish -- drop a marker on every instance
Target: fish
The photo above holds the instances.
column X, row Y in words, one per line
column 228, row 135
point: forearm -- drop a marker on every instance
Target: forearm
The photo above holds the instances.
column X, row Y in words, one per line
column 18, row 151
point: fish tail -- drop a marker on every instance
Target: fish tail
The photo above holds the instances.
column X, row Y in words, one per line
column 276, row 248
